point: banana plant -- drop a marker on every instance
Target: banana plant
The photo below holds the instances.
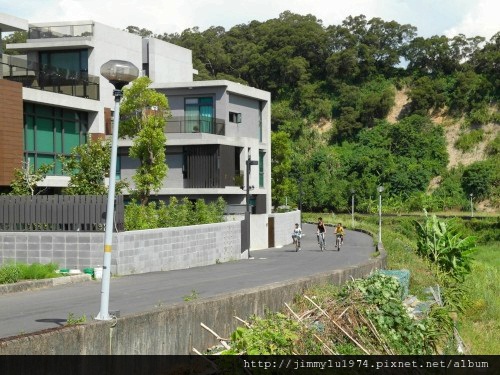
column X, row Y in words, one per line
column 444, row 246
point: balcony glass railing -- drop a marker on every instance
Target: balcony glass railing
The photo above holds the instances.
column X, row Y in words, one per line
column 50, row 78
column 182, row 125
column 62, row 31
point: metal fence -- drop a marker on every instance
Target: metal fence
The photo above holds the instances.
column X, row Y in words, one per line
column 86, row 213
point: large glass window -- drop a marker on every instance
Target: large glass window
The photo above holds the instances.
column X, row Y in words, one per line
column 50, row 132
column 199, row 115
column 70, row 61
column 261, row 168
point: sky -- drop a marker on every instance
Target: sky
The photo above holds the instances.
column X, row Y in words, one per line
column 431, row 17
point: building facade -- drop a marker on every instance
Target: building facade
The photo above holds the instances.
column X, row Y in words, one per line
column 53, row 99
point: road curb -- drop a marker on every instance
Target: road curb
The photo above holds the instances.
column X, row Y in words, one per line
column 27, row 285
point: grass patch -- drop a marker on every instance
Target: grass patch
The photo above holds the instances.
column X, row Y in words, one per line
column 14, row 272
column 480, row 323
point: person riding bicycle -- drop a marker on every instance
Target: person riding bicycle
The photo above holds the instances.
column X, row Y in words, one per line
column 321, row 228
column 339, row 232
column 297, row 234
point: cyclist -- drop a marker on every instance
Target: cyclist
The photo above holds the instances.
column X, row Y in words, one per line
column 321, row 229
column 297, row 234
column 339, row 232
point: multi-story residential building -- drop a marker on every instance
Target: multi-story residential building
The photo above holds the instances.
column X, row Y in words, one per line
column 52, row 99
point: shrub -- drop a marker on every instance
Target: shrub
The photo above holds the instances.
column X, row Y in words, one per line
column 479, row 178
column 175, row 214
column 478, row 116
column 493, row 148
column 10, row 273
column 467, row 140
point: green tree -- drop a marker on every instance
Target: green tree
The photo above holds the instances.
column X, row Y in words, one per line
column 144, row 114
column 479, row 179
column 87, row 166
column 281, row 165
column 427, row 94
column 26, row 179
column 15, row 37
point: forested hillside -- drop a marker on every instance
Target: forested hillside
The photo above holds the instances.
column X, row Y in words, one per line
column 333, row 89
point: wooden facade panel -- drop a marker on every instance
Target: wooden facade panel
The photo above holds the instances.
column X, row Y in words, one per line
column 11, row 129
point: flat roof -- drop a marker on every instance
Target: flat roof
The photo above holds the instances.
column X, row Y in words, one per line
column 231, row 86
column 10, row 23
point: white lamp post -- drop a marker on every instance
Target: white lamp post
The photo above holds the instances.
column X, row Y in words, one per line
column 380, row 189
column 119, row 73
column 471, row 206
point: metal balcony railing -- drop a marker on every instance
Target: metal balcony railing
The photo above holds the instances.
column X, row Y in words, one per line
column 182, row 125
column 50, row 78
column 60, row 31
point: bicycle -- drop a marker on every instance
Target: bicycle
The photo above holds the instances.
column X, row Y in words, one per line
column 338, row 242
column 321, row 241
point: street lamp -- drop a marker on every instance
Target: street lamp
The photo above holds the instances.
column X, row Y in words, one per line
column 471, row 206
column 352, row 206
column 249, row 163
column 380, row 189
column 119, row 73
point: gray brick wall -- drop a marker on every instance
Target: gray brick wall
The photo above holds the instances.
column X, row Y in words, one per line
column 133, row 252
column 138, row 251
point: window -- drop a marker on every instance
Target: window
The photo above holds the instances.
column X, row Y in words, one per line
column 199, row 115
column 260, row 121
column 261, row 168
column 72, row 62
column 235, row 117
column 50, row 132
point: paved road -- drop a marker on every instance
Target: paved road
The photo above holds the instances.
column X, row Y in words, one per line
column 31, row 311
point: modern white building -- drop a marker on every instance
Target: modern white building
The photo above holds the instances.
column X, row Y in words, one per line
column 53, row 99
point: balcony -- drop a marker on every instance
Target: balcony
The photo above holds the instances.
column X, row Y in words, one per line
column 182, row 125
column 63, row 31
column 49, row 78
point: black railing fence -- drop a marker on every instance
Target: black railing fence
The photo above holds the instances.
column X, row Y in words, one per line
column 183, row 125
column 49, row 78
column 86, row 213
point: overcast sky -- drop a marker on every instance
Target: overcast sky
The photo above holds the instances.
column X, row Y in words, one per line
column 431, row 17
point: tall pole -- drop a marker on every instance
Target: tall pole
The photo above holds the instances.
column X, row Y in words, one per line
column 380, row 189
column 248, row 184
column 119, row 73
column 471, row 206
column 352, row 208
column 108, row 237
column 380, row 217
column 247, row 199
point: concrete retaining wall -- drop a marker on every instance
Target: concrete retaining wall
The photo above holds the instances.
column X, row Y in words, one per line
column 176, row 329
column 283, row 227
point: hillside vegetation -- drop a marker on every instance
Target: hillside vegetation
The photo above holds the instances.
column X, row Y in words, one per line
column 364, row 103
